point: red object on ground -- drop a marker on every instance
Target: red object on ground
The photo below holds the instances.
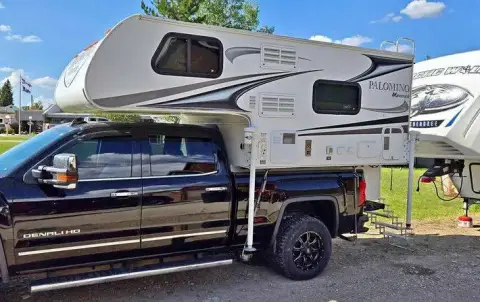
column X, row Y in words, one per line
column 465, row 218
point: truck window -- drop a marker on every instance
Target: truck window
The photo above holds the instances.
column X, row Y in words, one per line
column 336, row 97
column 172, row 155
column 103, row 158
column 187, row 55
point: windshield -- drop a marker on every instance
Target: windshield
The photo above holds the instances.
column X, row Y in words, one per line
column 22, row 152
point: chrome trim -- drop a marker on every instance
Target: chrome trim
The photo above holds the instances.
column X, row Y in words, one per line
column 147, row 177
column 125, row 276
column 183, row 235
column 124, row 194
column 216, row 189
column 109, row 179
column 176, row 176
column 78, row 247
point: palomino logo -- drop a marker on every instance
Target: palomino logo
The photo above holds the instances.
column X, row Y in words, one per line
column 48, row 234
column 398, row 90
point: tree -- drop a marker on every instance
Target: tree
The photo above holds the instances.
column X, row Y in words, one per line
column 6, row 94
column 239, row 14
column 267, row 29
column 120, row 117
column 36, row 106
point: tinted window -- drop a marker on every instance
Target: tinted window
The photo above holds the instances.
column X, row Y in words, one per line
column 330, row 97
column 23, row 152
column 171, row 155
column 186, row 55
column 103, row 158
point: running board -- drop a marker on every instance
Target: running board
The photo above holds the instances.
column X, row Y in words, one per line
column 124, row 274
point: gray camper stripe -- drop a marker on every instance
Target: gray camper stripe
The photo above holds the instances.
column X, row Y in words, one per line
column 346, row 132
column 136, row 98
column 399, row 109
column 356, row 131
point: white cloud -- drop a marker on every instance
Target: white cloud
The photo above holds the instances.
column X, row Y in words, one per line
column 353, row 41
column 418, row 9
column 390, row 17
column 1, row 5
column 23, row 39
column 5, row 28
column 45, row 82
column 401, row 48
column 45, row 101
column 397, row 19
column 321, row 38
column 6, row 69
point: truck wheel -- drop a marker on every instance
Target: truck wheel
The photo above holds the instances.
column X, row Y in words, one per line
column 304, row 246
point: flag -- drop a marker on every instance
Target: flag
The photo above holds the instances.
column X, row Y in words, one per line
column 26, row 86
column 25, row 89
column 26, row 83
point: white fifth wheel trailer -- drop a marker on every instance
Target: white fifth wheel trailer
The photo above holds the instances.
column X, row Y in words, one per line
column 445, row 112
column 287, row 103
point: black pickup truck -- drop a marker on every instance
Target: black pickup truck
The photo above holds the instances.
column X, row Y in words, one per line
column 88, row 203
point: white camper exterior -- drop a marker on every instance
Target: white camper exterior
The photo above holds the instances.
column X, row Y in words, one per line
column 446, row 113
column 312, row 104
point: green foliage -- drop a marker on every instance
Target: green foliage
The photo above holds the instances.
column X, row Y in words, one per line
column 121, row 117
column 267, row 29
column 6, row 94
column 239, row 14
column 10, row 131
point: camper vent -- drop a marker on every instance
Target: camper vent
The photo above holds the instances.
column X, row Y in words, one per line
column 277, row 106
column 279, row 57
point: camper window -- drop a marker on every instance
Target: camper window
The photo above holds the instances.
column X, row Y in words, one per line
column 188, row 56
column 336, row 97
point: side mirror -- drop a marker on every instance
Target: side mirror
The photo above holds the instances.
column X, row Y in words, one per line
column 63, row 174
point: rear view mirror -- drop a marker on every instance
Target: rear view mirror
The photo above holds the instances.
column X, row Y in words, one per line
column 63, row 174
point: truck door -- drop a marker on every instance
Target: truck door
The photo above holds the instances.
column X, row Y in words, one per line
column 101, row 215
column 186, row 193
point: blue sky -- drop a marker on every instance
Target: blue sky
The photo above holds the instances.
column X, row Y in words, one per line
column 39, row 37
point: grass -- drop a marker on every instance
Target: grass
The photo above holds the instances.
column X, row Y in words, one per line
column 8, row 141
column 426, row 205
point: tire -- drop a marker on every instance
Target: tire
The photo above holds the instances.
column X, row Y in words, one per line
column 293, row 257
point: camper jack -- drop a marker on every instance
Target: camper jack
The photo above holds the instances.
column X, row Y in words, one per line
column 279, row 149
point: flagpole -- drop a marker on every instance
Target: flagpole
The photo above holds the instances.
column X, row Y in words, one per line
column 20, row 105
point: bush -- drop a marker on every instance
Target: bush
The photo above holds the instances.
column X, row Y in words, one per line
column 121, row 117
column 10, row 131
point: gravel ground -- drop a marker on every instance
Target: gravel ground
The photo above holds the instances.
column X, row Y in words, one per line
column 442, row 264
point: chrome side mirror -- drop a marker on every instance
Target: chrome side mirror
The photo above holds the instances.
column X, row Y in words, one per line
column 63, row 174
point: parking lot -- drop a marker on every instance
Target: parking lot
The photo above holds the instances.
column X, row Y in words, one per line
column 444, row 264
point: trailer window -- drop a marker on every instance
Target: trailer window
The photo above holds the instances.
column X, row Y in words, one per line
column 335, row 97
column 189, row 56
column 172, row 155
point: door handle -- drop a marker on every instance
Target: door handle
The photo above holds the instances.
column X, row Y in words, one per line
column 124, row 194
column 216, row 189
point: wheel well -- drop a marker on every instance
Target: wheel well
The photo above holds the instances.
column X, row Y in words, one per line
column 323, row 210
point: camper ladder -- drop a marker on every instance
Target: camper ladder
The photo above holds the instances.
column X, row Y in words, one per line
column 397, row 46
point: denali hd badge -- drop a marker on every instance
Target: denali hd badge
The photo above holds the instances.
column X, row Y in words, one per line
column 48, row 234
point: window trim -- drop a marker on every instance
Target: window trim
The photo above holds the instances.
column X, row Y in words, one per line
column 188, row 37
column 342, row 83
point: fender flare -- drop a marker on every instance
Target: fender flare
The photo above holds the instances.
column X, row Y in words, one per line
column 319, row 198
